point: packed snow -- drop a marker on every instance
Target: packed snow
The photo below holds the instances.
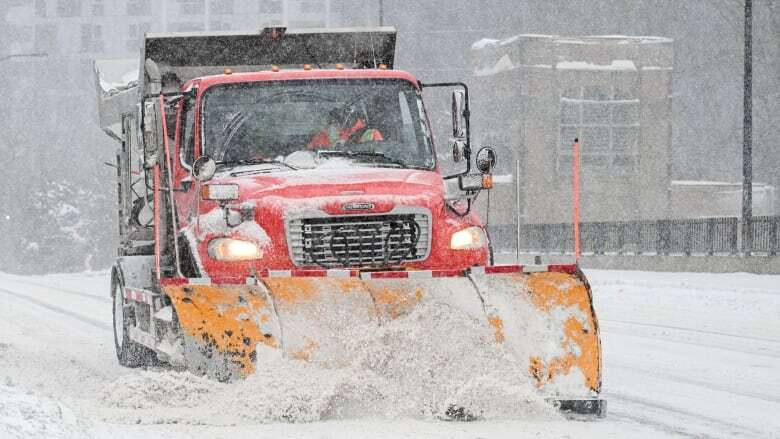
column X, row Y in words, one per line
column 691, row 355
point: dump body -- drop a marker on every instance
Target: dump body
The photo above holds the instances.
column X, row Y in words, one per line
column 323, row 213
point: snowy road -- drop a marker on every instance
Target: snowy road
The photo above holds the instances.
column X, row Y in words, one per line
column 685, row 355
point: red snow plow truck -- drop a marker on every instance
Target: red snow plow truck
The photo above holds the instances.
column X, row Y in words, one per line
column 278, row 189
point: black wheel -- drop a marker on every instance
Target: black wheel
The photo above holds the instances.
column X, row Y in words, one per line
column 128, row 352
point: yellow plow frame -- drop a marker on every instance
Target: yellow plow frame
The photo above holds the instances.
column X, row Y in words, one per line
column 542, row 313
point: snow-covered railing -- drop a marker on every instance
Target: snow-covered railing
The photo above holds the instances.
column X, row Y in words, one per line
column 705, row 236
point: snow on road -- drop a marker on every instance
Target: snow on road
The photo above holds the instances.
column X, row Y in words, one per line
column 685, row 355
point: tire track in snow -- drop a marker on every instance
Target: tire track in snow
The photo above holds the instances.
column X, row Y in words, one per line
column 704, row 384
column 62, row 290
column 730, row 428
column 83, row 319
column 689, row 287
column 619, row 333
column 700, row 331
column 660, row 426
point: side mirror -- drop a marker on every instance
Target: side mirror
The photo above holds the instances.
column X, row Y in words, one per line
column 203, row 169
column 152, row 133
column 486, row 160
column 458, row 103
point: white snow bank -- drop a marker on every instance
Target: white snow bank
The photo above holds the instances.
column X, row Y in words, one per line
column 26, row 415
column 616, row 65
column 414, row 367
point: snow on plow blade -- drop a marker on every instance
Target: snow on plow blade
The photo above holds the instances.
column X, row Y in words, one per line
column 544, row 318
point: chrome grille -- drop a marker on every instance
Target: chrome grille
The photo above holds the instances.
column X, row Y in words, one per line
column 359, row 240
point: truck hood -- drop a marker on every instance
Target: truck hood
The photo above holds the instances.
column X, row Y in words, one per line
column 336, row 191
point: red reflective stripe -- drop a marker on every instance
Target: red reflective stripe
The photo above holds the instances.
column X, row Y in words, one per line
column 309, row 273
column 498, row 269
column 228, row 280
column 563, row 268
column 388, row 275
column 447, row 273
column 413, row 274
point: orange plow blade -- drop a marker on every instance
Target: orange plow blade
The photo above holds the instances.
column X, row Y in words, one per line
column 545, row 319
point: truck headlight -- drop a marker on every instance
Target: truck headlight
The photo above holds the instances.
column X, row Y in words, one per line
column 468, row 239
column 228, row 249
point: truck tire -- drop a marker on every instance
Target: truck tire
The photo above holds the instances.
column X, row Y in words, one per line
column 128, row 352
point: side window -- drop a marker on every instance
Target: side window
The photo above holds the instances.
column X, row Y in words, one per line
column 188, row 133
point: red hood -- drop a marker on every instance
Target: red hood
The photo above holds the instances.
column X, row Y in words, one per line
column 279, row 195
column 331, row 189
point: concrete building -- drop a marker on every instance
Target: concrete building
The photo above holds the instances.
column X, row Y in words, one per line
column 114, row 28
column 534, row 94
column 708, row 199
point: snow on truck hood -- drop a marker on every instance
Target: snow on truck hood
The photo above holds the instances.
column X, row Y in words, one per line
column 317, row 188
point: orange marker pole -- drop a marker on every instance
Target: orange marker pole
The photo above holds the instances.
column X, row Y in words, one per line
column 575, row 168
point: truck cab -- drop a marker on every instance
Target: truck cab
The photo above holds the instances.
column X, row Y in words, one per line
column 315, row 168
column 293, row 150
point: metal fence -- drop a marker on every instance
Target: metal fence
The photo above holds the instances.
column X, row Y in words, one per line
column 766, row 238
column 708, row 236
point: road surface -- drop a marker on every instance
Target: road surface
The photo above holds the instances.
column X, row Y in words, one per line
column 685, row 355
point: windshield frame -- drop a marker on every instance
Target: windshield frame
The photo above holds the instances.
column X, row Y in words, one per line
column 427, row 132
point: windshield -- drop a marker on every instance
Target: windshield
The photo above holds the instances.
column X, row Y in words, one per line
column 372, row 122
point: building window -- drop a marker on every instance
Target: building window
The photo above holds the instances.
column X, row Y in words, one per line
column 138, row 30
column 191, row 7
column 311, row 7
column 219, row 25
column 271, row 7
column 91, row 38
column 606, row 120
column 139, row 8
column 97, row 9
column 186, row 27
column 68, row 8
column 40, row 8
column 45, row 37
column 221, row 6
column 135, row 33
column 297, row 24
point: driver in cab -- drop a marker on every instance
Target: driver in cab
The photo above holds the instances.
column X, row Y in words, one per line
column 341, row 129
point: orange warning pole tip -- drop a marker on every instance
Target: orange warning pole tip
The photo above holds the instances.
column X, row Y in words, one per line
column 576, row 196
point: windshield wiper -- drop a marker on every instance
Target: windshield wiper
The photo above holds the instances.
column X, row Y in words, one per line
column 363, row 154
column 256, row 162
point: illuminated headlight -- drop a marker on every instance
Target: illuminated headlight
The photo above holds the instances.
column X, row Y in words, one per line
column 228, row 249
column 468, row 239
column 219, row 192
